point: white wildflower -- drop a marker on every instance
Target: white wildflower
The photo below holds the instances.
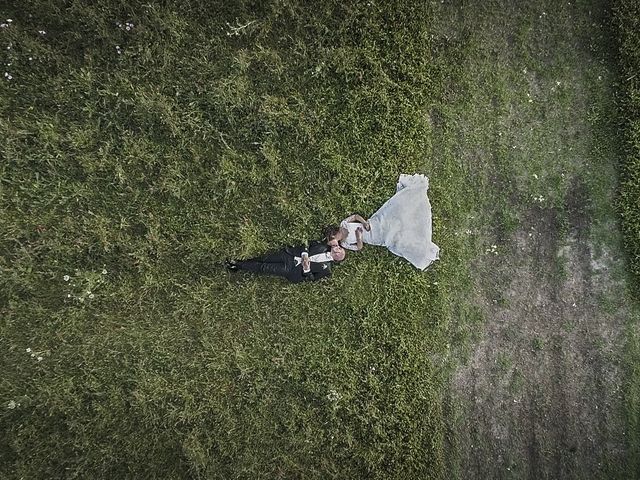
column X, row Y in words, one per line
column 33, row 355
column 333, row 396
column 40, row 359
column 66, row 278
column 9, row 20
column 104, row 271
column 535, row 176
column 42, row 32
column 91, row 295
column 28, row 350
column 11, row 405
column 4, row 25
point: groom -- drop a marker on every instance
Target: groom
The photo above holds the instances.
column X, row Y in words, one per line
column 296, row 264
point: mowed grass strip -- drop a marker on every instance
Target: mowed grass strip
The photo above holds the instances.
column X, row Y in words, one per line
column 625, row 23
column 141, row 146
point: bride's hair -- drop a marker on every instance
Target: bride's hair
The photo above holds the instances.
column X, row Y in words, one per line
column 330, row 232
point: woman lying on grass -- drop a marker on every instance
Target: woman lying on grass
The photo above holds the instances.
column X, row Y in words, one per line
column 402, row 224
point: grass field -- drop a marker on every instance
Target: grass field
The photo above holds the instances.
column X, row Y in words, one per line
column 144, row 144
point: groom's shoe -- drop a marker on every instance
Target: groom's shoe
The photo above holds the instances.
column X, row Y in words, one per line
column 231, row 265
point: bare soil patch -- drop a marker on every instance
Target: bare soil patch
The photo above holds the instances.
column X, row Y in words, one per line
column 541, row 392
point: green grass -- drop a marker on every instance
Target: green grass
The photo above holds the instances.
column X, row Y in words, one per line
column 191, row 145
column 204, row 139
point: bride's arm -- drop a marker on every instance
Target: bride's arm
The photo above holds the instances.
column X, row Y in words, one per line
column 359, row 243
column 356, row 218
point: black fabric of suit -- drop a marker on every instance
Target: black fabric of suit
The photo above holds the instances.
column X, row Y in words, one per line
column 282, row 263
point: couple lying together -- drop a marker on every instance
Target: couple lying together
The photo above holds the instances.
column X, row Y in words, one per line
column 402, row 224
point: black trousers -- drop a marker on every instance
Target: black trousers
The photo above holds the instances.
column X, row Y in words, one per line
column 278, row 263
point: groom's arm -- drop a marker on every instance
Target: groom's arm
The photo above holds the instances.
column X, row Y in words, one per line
column 316, row 274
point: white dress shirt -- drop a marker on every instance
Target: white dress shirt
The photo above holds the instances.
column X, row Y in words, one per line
column 317, row 258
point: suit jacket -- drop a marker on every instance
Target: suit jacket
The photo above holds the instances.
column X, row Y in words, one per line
column 318, row 270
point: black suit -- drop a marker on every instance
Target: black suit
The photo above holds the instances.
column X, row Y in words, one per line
column 283, row 264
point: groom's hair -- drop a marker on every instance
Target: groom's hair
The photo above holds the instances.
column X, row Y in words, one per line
column 330, row 232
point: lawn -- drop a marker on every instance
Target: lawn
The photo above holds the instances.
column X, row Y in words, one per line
column 144, row 144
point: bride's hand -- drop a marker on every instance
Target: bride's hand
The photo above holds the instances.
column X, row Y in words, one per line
column 367, row 226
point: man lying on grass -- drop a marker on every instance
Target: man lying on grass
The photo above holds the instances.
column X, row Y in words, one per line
column 296, row 264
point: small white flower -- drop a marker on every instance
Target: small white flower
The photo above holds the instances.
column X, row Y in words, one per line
column 9, row 20
column 4, row 25
column 42, row 32
column 40, row 359
column 68, row 295
column 11, row 405
column 104, row 271
column 88, row 292
column 66, row 278
column 33, row 355
column 127, row 28
column 535, row 176
column 28, row 350
column 30, row 58
column 91, row 295
column 333, row 396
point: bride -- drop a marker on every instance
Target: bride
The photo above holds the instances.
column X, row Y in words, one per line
column 402, row 224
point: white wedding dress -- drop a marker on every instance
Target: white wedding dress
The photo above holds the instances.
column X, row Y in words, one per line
column 402, row 224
